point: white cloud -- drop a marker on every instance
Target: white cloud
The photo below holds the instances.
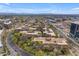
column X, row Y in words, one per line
column 7, row 3
column 7, row 9
column 75, row 8
column 3, row 7
column 27, row 10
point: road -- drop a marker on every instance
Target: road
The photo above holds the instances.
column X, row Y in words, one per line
column 74, row 46
column 65, row 35
column 16, row 48
column 12, row 51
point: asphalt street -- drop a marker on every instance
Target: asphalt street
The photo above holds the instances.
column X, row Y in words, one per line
column 16, row 48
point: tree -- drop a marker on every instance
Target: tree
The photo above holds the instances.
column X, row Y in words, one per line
column 15, row 40
column 16, row 37
column 38, row 43
column 51, row 53
column 20, row 43
column 41, row 30
column 39, row 53
column 65, row 51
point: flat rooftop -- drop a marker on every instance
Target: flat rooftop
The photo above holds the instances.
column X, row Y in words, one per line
column 58, row 41
column 75, row 22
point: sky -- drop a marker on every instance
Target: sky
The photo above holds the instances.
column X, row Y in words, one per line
column 39, row 8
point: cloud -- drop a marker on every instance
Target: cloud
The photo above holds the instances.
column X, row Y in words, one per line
column 7, row 3
column 31, row 10
column 75, row 8
column 5, row 8
column 26, row 10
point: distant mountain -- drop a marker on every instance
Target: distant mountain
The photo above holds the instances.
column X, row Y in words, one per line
column 48, row 14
